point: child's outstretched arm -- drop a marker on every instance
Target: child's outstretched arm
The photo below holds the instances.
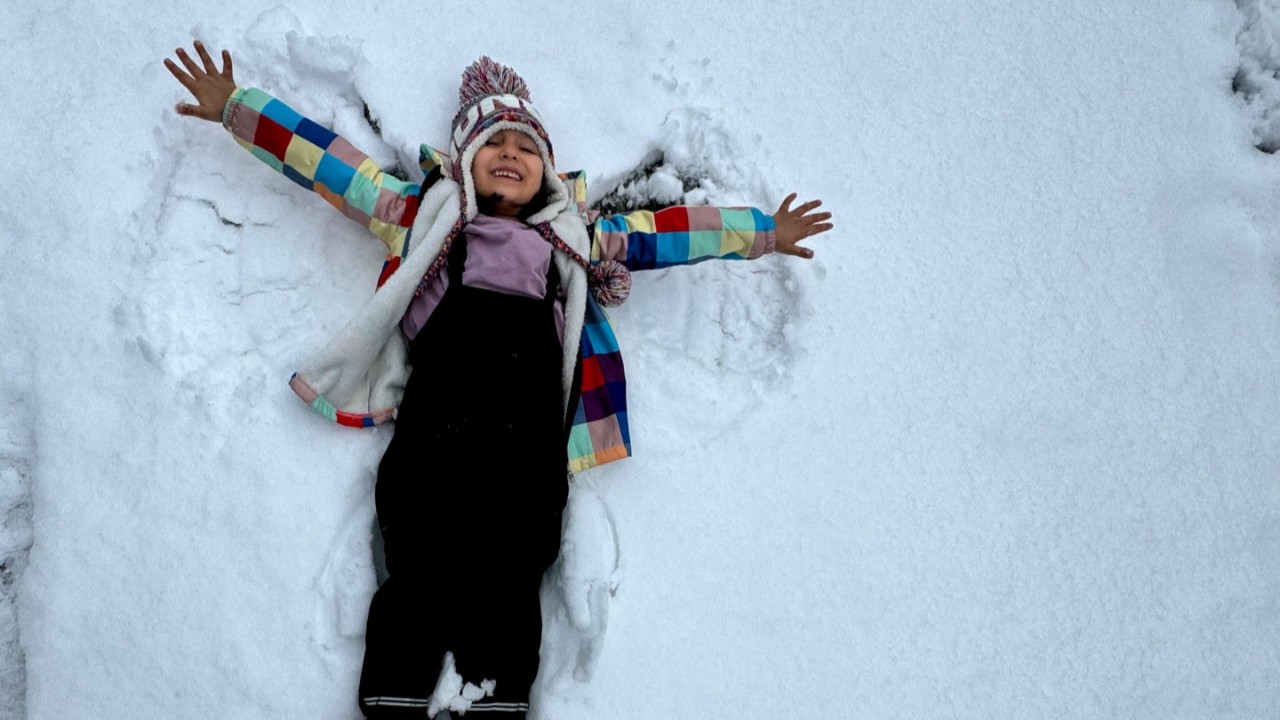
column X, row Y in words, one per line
column 304, row 151
column 684, row 235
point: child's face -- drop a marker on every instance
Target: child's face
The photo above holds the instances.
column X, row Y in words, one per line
column 508, row 168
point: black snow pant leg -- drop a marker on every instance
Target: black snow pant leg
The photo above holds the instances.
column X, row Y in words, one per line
column 480, row 602
column 403, row 653
column 500, row 617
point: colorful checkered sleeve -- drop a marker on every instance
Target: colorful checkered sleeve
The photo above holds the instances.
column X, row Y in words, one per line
column 321, row 161
column 600, row 433
column 682, row 235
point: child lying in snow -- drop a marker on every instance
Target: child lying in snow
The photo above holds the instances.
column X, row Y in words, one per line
column 516, row 376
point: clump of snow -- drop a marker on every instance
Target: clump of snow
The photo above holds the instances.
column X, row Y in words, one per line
column 454, row 693
column 695, row 159
column 1258, row 79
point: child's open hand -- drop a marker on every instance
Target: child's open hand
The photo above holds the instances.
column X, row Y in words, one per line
column 798, row 224
column 210, row 86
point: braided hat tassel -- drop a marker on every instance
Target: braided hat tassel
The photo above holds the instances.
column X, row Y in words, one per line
column 610, row 281
column 434, row 269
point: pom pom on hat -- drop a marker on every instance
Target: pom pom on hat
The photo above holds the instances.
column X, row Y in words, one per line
column 488, row 77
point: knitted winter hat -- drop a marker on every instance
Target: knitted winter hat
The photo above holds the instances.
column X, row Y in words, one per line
column 493, row 98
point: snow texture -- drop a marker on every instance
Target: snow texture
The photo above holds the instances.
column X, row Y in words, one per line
column 1008, row 447
column 17, row 457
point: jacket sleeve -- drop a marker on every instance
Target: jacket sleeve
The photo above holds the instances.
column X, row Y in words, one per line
column 321, row 161
column 682, row 235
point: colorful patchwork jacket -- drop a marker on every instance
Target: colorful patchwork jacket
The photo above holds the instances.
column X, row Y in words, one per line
column 359, row 377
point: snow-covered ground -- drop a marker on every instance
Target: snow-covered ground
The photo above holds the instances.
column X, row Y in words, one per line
column 1008, row 447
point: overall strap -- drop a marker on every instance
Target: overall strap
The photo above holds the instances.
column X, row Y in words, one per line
column 553, row 282
column 434, row 268
column 457, row 258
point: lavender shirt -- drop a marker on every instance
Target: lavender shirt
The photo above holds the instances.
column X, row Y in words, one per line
column 503, row 255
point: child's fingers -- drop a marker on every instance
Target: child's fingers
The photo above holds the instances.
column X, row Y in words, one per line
column 209, row 67
column 785, row 207
column 182, row 77
column 189, row 64
column 805, row 208
column 226, row 64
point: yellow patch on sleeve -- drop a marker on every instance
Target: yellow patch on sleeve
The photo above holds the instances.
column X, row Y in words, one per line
column 303, row 156
column 392, row 235
column 369, row 169
column 737, row 241
column 641, row 221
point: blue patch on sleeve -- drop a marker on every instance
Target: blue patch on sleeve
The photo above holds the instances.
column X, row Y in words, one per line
column 600, row 338
column 334, row 174
column 318, row 135
column 618, row 396
column 299, row 178
column 673, row 249
column 286, row 116
column 642, row 251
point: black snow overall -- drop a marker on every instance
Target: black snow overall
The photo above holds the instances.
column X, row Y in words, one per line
column 469, row 498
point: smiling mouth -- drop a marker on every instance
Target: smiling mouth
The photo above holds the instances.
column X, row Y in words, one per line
column 507, row 174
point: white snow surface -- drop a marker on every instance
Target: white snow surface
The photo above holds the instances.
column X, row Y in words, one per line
column 1007, row 447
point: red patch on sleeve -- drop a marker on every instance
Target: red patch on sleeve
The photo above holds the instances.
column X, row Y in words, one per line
column 272, row 137
column 388, row 269
column 592, row 377
column 350, row 420
column 674, row 219
column 410, row 211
